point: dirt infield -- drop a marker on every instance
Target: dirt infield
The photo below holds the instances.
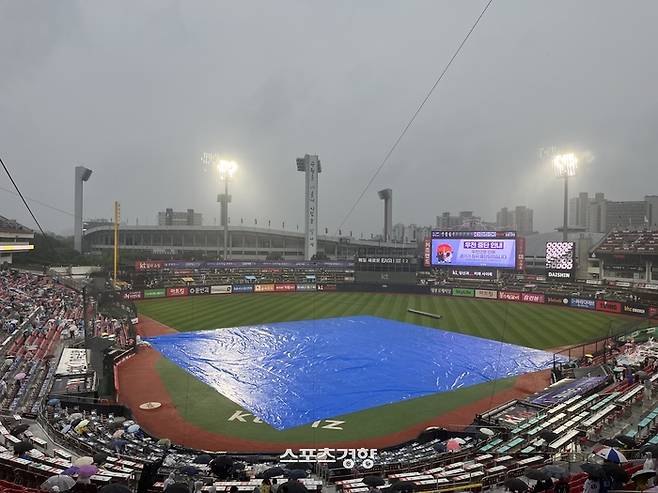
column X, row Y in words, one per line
column 139, row 382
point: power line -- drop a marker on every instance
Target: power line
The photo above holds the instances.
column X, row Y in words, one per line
column 22, row 198
column 418, row 110
column 39, row 202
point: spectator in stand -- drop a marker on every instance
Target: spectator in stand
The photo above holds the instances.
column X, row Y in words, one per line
column 274, row 486
column 592, row 485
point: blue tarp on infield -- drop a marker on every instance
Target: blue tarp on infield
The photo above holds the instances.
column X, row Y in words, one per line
column 293, row 373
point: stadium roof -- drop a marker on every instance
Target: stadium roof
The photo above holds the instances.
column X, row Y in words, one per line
column 12, row 226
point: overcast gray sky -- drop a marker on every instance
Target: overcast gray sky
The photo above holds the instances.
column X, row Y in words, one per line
column 138, row 90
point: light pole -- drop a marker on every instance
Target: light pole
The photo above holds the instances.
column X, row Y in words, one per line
column 564, row 166
column 226, row 170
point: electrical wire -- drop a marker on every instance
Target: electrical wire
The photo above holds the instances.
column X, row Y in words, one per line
column 20, row 194
column 39, row 202
column 413, row 117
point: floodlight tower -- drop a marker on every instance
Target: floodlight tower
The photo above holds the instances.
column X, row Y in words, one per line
column 564, row 166
column 387, row 196
column 82, row 174
column 311, row 167
column 226, row 170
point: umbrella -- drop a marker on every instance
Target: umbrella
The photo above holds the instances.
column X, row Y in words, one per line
column 20, row 376
column 127, row 423
column 81, row 427
column 75, row 422
column 118, row 443
column 75, row 416
column 272, row 472
column 87, row 471
column 615, row 472
column 22, row 447
column 71, row 471
column 85, row 460
column 589, row 355
column 401, row 486
column 624, row 440
column 453, row 445
column 536, row 474
column 177, row 488
column 17, row 430
column 296, row 474
column 100, row 458
column 612, row 454
column 549, row 436
column 487, row 432
column 643, row 475
column 118, row 434
column 222, row 466
column 651, row 448
column 119, row 419
column 641, row 374
column 62, row 481
column 202, row 459
column 189, row 470
column 54, row 402
column 594, row 470
column 373, row 481
column 133, row 429
column 608, row 442
column 115, row 488
column 515, row 484
column 555, row 471
column 292, row 487
column 429, row 434
column 164, row 442
column 440, row 447
column 113, row 425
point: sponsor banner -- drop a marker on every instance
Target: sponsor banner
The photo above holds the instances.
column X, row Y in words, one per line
column 154, row 293
column 556, row 299
column 176, row 292
column 463, row 292
column 132, row 295
column 383, row 260
column 582, row 303
column 557, row 274
column 594, row 282
column 427, row 252
column 532, row 297
column 240, row 288
column 634, row 309
column 441, row 291
column 284, row 287
column 520, row 253
column 222, row 289
column 264, row 288
column 326, row 287
column 486, row 293
column 197, row 290
column 556, row 395
column 474, row 273
column 509, row 295
column 608, row 306
column 621, row 284
column 149, row 265
column 306, row 287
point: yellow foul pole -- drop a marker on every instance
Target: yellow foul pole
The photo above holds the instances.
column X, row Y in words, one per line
column 117, row 218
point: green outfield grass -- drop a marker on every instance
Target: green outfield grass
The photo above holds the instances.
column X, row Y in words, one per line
column 538, row 326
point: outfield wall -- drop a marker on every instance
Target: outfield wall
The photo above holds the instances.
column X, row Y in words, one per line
column 601, row 305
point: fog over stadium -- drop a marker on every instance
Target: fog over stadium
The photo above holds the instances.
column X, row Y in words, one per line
column 137, row 91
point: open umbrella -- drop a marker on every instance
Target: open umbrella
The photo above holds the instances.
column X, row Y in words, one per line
column 608, row 442
column 627, row 441
column 189, row 470
column 81, row 427
column 22, row 447
column 177, row 488
column 114, row 426
column 555, row 471
column 515, row 484
column 612, row 454
column 641, row 374
column 54, row 403
column 20, row 376
column 429, row 434
column 85, row 460
column 615, row 472
column 402, row 486
column 453, row 445
column 100, row 458
column 128, row 423
column 118, row 434
column 75, row 416
column 643, row 475
column 87, row 471
column 487, row 432
column 222, row 466
column 549, row 436
column 594, row 470
column 119, row 419
column 650, row 448
column 536, row 474
column 374, row 481
column 202, row 459
column 272, row 472
column 133, row 429
column 17, row 430
column 115, row 488
column 296, row 474
column 164, row 442
column 71, row 471
column 62, row 481
column 440, row 447
column 292, row 487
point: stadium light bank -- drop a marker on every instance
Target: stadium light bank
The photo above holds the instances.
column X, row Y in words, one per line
column 226, row 170
column 565, row 166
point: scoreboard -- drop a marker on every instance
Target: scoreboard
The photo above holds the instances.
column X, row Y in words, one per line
column 490, row 249
column 385, row 264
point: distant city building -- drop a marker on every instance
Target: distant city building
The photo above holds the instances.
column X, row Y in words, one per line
column 179, row 218
column 14, row 238
column 464, row 221
column 599, row 215
column 520, row 219
column 410, row 233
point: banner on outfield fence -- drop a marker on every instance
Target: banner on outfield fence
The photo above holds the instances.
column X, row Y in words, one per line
column 582, row 303
column 635, row 309
column 243, row 288
column 509, row 295
column 171, row 292
column 198, row 290
column 132, row 295
column 305, row 287
column 326, row 287
column 441, row 291
column 466, row 292
column 608, row 306
column 154, row 293
column 264, row 288
column 486, row 293
column 556, row 299
column 286, row 288
column 532, row 297
column 221, row 289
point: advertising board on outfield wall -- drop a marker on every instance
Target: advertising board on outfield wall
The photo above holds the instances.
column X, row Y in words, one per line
column 199, row 290
column 582, row 303
column 305, row 287
column 608, row 306
column 634, row 309
column 327, row 287
column 486, row 293
column 466, row 292
column 243, row 288
column 177, row 292
column 221, row 289
column 132, row 295
column 154, row 293
column 264, row 288
column 441, row 291
column 556, row 299
column 509, row 295
column 286, row 288
column 532, row 297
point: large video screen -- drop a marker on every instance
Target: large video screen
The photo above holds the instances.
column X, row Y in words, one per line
column 560, row 255
column 495, row 249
